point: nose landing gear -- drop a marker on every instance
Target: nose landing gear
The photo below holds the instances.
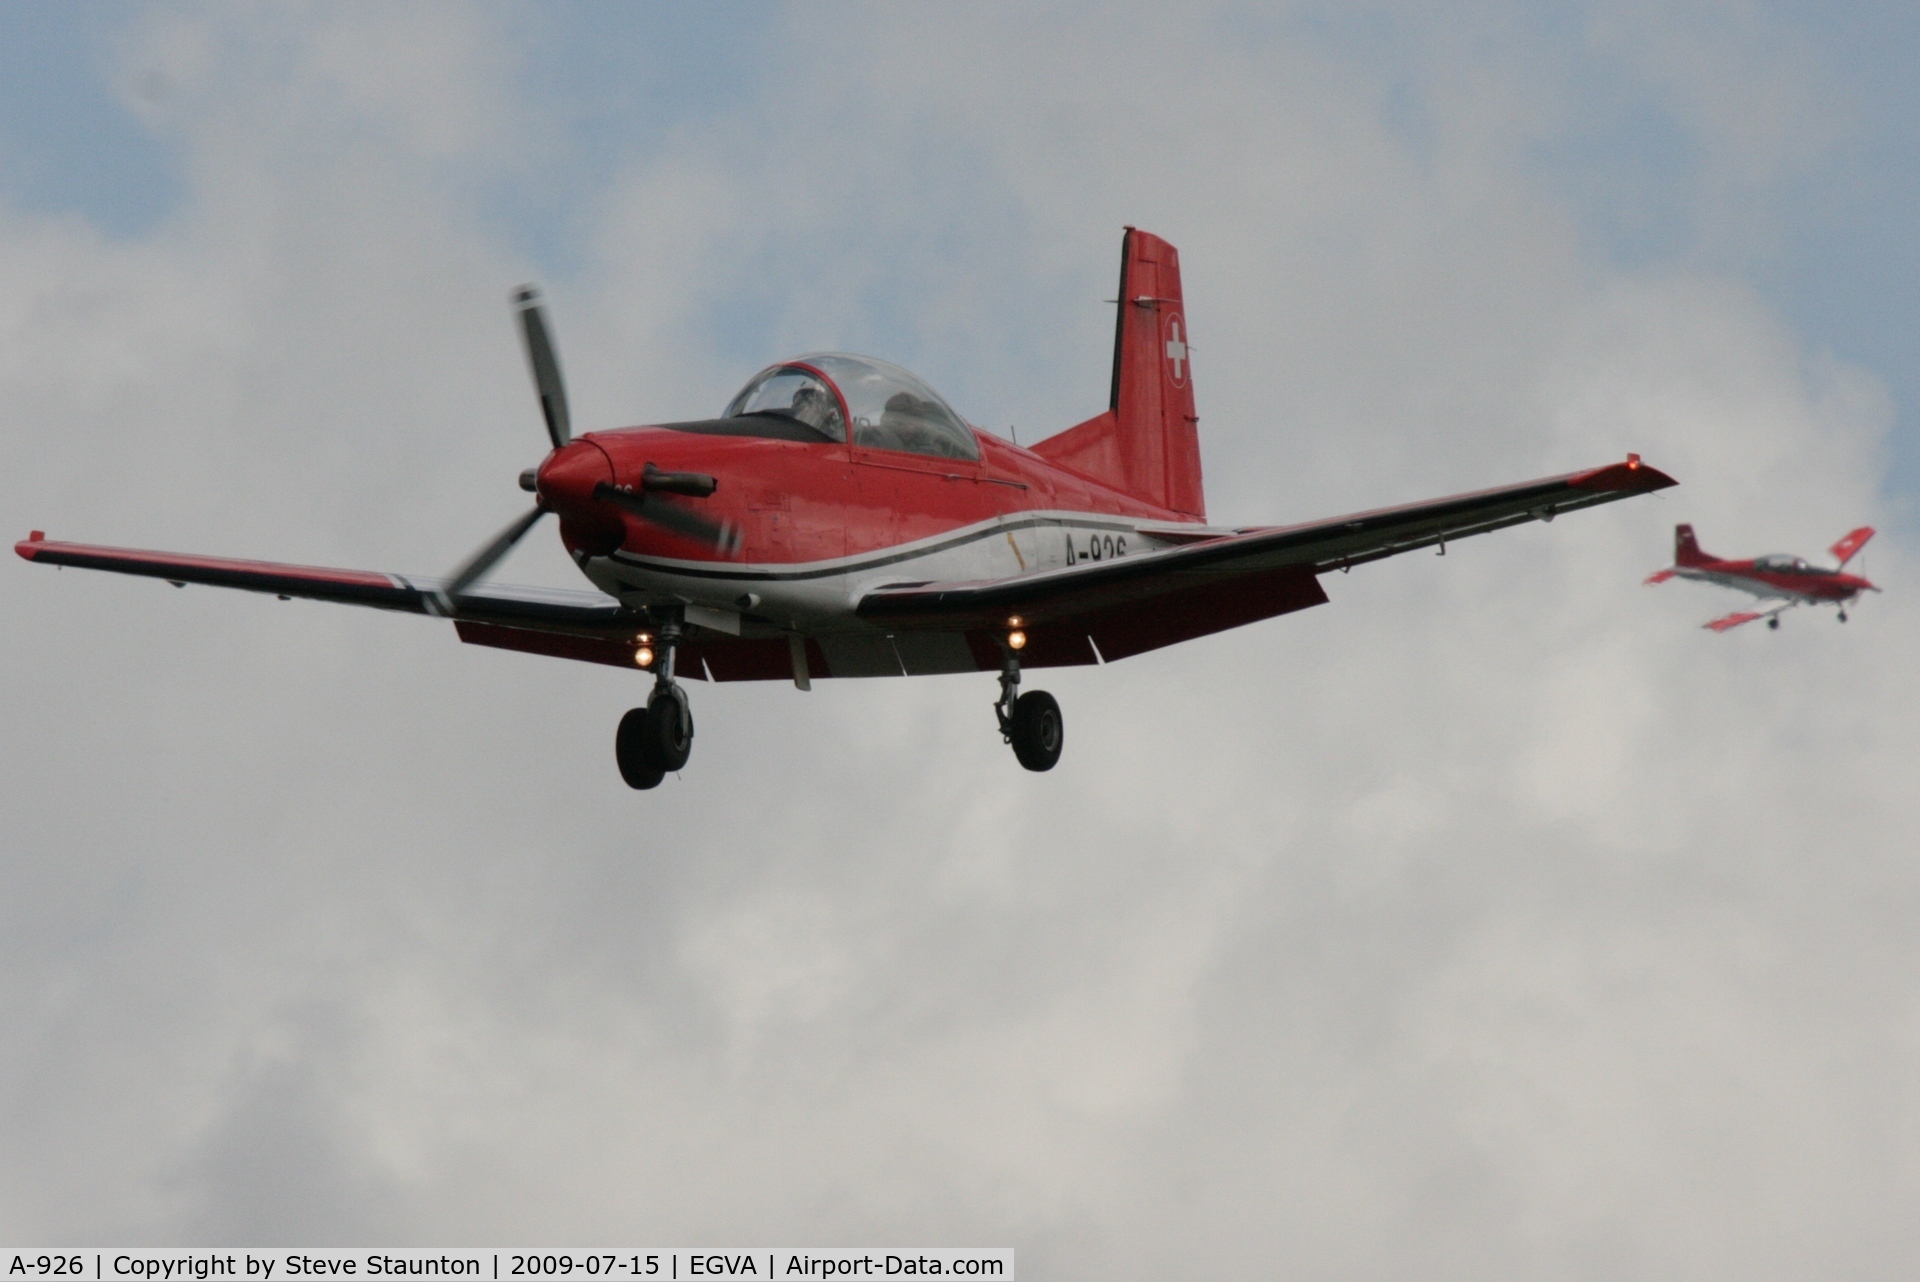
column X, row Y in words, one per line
column 658, row 738
column 1031, row 722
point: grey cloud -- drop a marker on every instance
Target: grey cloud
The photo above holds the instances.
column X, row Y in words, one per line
column 1491, row 920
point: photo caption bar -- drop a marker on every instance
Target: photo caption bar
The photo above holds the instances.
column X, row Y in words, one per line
column 668, row 1264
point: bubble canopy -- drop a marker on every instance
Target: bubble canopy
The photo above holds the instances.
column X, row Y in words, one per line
column 889, row 408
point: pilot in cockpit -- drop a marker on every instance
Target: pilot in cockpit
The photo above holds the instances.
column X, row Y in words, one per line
column 812, row 406
column 905, row 424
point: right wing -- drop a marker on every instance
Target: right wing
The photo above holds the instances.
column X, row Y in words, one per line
column 554, row 609
column 562, row 624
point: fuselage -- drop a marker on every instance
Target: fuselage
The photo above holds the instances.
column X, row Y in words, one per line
column 1783, row 578
column 821, row 522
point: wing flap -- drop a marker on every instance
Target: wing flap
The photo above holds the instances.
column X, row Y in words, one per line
column 615, row 651
column 1200, row 609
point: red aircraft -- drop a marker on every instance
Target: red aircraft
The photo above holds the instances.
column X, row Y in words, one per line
column 1786, row 580
column 839, row 519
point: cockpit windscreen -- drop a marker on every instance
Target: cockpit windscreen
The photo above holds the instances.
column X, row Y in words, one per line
column 786, row 392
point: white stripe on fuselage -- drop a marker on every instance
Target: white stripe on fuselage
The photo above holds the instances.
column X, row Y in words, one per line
column 1753, row 587
column 817, row 596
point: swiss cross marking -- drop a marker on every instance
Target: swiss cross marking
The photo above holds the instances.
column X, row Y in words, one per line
column 1176, row 350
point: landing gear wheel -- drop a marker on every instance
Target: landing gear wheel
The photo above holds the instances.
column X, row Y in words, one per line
column 1036, row 730
column 668, row 739
column 1843, row 616
column 1774, row 623
column 629, row 749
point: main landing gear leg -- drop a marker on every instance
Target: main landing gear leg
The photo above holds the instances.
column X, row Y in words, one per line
column 1031, row 722
column 658, row 738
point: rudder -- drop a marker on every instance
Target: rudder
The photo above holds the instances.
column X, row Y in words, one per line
column 1686, row 549
column 1148, row 441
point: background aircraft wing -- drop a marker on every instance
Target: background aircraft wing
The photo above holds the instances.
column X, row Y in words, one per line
column 1134, row 603
column 1845, row 549
column 589, row 613
column 1739, row 617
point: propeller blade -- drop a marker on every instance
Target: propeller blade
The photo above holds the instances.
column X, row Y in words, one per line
column 720, row 535
column 448, row 597
column 546, row 365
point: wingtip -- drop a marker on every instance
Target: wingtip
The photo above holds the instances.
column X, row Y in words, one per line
column 1630, row 477
column 28, row 547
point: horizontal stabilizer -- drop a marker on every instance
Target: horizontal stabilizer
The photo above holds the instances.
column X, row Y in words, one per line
column 1658, row 576
column 1846, row 548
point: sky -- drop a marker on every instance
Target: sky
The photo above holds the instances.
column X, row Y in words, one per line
column 1493, row 920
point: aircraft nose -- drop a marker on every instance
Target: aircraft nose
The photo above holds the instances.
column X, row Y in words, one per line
column 566, row 480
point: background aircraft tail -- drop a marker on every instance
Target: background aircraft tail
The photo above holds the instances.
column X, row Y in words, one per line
column 1845, row 549
column 1686, row 548
column 1147, row 443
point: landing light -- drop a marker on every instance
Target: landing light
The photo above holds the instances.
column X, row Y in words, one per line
column 644, row 656
column 1016, row 622
column 1017, row 639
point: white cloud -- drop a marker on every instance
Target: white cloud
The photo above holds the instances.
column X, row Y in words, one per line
column 1493, row 919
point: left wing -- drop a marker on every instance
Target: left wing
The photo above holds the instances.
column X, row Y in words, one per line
column 1729, row 621
column 1140, row 602
column 582, row 613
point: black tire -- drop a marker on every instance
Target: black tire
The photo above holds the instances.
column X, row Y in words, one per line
column 1774, row 623
column 629, row 749
column 669, row 735
column 1037, row 730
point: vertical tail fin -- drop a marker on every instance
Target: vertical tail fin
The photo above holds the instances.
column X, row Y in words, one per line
column 1152, row 395
column 1148, row 441
column 1686, row 549
column 1851, row 544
